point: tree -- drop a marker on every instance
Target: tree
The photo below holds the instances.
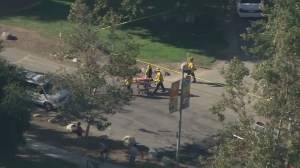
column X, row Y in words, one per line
column 104, row 12
column 97, row 89
column 1, row 46
column 14, row 109
column 276, row 76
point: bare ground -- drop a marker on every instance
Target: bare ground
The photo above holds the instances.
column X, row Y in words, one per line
column 29, row 41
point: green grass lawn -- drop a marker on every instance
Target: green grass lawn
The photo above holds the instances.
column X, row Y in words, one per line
column 44, row 18
column 34, row 160
column 159, row 40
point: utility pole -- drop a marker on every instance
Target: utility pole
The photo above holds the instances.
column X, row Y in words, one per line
column 60, row 39
column 178, row 135
column 185, row 69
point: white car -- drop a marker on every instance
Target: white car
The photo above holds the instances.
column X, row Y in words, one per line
column 43, row 93
column 249, row 8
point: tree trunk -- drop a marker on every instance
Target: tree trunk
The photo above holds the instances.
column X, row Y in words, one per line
column 87, row 129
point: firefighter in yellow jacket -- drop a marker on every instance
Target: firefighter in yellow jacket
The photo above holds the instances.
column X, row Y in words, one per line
column 148, row 72
column 159, row 80
column 128, row 82
column 191, row 65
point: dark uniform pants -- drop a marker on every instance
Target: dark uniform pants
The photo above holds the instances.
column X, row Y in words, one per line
column 159, row 84
column 193, row 75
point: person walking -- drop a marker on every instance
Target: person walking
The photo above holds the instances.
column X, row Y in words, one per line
column 148, row 72
column 132, row 152
column 159, row 80
column 191, row 65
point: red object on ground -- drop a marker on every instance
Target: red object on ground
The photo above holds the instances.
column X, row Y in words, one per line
column 142, row 79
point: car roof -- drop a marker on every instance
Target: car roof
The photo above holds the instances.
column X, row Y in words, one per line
column 34, row 77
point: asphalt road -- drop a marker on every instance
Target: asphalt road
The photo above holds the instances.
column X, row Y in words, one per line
column 147, row 117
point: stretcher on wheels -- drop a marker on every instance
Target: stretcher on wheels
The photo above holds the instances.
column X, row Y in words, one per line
column 143, row 84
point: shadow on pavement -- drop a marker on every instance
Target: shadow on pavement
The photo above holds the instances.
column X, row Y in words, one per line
column 90, row 146
column 160, row 95
column 213, row 84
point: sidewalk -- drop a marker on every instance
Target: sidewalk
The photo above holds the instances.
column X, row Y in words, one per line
column 62, row 154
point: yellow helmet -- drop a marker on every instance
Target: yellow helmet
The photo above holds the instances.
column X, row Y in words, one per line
column 191, row 59
column 148, row 66
column 157, row 69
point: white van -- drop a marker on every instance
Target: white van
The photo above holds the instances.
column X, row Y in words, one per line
column 43, row 93
column 249, row 8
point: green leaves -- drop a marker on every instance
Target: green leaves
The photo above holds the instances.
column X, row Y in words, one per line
column 106, row 13
column 96, row 87
column 1, row 46
column 235, row 73
column 277, row 79
column 79, row 13
column 234, row 100
column 14, row 109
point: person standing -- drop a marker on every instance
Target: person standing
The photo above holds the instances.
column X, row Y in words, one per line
column 132, row 152
column 191, row 65
column 79, row 130
column 148, row 72
column 159, row 80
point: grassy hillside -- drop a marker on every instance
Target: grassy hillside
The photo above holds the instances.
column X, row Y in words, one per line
column 159, row 39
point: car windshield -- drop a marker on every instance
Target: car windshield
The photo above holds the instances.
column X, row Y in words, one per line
column 250, row 1
column 51, row 89
column 47, row 88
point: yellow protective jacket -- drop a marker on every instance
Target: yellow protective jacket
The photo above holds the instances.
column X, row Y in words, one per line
column 159, row 77
column 191, row 66
column 148, row 72
column 128, row 81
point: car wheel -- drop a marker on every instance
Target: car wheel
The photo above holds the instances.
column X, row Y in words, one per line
column 48, row 106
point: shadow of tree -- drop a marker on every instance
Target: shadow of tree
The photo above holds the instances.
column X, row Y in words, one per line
column 42, row 12
column 89, row 145
column 206, row 36
column 189, row 152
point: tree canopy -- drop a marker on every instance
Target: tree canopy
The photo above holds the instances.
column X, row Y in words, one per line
column 14, row 109
column 276, row 77
column 97, row 85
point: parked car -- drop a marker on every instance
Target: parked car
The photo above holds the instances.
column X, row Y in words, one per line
column 44, row 93
column 250, row 8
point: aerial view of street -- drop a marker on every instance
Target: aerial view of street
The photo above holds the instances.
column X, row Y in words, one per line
column 146, row 84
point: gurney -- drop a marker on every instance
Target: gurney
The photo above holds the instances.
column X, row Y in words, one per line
column 143, row 84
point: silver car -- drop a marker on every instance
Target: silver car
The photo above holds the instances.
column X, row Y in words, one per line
column 249, row 8
column 44, row 93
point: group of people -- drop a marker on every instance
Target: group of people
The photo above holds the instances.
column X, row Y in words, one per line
column 158, row 79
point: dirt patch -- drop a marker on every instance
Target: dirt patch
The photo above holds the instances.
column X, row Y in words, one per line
column 29, row 41
column 33, row 43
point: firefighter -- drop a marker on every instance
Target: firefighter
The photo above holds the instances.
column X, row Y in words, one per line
column 148, row 72
column 159, row 80
column 128, row 82
column 191, row 65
